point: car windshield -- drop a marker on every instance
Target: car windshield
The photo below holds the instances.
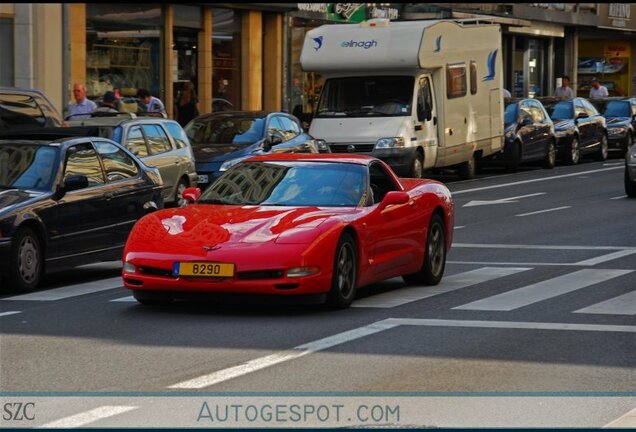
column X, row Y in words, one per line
column 618, row 109
column 290, row 183
column 374, row 96
column 510, row 114
column 27, row 166
column 560, row 111
column 225, row 130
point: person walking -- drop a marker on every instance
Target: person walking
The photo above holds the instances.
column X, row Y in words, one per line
column 82, row 107
column 564, row 90
column 598, row 91
column 187, row 105
column 108, row 104
column 153, row 104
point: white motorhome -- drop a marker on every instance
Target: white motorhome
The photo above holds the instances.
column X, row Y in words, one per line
column 416, row 94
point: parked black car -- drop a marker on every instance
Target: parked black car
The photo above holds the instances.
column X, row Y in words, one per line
column 67, row 202
column 579, row 127
column 620, row 116
column 528, row 136
column 221, row 140
column 25, row 108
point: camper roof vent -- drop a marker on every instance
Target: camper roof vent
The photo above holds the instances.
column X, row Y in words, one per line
column 376, row 22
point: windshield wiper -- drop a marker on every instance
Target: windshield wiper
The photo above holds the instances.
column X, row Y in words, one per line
column 366, row 112
column 212, row 201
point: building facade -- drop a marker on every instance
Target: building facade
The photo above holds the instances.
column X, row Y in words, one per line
column 249, row 53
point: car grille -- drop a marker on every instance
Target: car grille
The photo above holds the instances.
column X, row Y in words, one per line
column 261, row 274
column 155, row 271
column 359, row 148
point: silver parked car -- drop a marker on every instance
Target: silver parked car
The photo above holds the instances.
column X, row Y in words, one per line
column 158, row 142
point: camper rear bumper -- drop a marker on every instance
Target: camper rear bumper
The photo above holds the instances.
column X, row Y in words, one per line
column 399, row 159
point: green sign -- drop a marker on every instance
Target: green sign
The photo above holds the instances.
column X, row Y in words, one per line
column 347, row 12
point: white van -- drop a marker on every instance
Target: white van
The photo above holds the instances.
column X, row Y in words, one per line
column 416, row 94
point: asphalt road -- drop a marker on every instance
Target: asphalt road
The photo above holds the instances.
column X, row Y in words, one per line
column 533, row 325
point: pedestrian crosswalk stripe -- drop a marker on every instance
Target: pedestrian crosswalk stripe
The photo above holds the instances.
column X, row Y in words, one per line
column 88, row 417
column 622, row 305
column 608, row 257
column 124, row 299
column 450, row 283
column 544, row 290
column 9, row 313
column 70, row 291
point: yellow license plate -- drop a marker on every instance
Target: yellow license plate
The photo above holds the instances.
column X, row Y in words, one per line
column 203, row 269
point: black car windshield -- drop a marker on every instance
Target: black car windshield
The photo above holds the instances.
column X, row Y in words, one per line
column 27, row 166
column 561, row 111
column 290, row 183
column 618, row 109
column 239, row 129
column 510, row 114
column 373, row 96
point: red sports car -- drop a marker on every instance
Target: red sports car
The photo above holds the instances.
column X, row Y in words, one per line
column 290, row 225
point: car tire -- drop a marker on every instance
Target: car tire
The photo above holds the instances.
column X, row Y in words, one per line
column 417, row 166
column 26, row 261
column 179, row 201
column 630, row 186
column 468, row 169
column 434, row 255
column 147, row 298
column 628, row 143
column 515, row 158
column 574, row 155
column 550, row 157
column 603, row 150
column 345, row 273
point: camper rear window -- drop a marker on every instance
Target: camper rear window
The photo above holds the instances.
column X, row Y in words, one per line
column 455, row 80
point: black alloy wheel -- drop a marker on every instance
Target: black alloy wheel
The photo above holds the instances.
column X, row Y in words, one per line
column 26, row 261
column 434, row 256
column 417, row 166
column 345, row 273
column 574, row 155
column 603, row 149
column 550, row 157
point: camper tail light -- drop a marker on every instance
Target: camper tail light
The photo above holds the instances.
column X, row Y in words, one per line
column 394, row 142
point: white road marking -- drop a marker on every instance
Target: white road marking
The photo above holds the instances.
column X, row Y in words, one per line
column 125, row 299
column 543, row 290
column 389, row 323
column 605, row 258
column 556, row 247
column 500, row 201
column 460, row 227
column 534, row 180
column 543, row 211
column 9, row 313
column 87, row 417
column 71, row 291
column 622, row 305
column 619, row 197
column 533, row 264
column 614, row 164
column 280, row 357
column 448, row 284
column 625, row 421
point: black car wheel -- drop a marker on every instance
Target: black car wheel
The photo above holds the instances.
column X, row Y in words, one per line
column 434, row 256
column 603, row 149
column 345, row 273
column 178, row 193
column 550, row 157
column 27, row 260
column 417, row 166
column 630, row 186
column 629, row 140
column 468, row 169
column 574, row 154
column 515, row 158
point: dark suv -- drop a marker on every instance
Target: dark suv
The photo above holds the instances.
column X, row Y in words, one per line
column 23, row 108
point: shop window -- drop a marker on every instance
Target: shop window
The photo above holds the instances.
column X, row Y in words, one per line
column 456, row 80
column 7, row 65
column 226, row 55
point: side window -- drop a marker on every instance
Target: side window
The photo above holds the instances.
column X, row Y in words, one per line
column 578, row 108
column 178, row 134
column 82, row 159
column 525, row 113
column 473, row 77
column 537, row 112
column 591, row 110
column 274, row 128
column 289, row 127
column 380, row 182
column 424, row 101
column 20, row 111
column 118, row 165
column 136, row 143
column 456, row 80
column 158, row 141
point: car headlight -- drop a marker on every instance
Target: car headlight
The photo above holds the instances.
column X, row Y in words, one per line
column 129, row 268
column 394, row 142
column 616, row 130
column 322, row 146
column 302, row 271
column 561, row 133
column 231, row 162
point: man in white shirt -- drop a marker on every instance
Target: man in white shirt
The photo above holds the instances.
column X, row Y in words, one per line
column 83, row 107
column 565, row 90
column 153, row 104
column 597, row 90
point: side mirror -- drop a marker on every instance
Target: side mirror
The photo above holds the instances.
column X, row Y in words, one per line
column 75, row 182
column 394, row 198
column 191, row 194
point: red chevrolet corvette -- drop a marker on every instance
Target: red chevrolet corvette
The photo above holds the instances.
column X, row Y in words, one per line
column 293, row 224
